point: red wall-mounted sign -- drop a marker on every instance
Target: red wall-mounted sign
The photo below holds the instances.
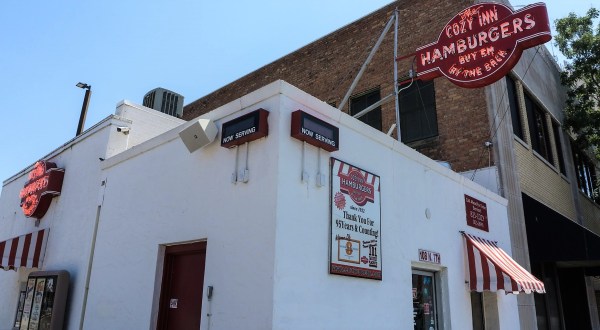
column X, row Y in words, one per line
column 249, row 127
column 476, row 213
column 45, row 182
column 482, row 43
column 313, row 130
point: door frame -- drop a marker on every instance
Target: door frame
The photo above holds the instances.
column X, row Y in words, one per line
column 164, row 250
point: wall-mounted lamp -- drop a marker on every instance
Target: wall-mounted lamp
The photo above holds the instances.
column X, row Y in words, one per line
column 84, row 107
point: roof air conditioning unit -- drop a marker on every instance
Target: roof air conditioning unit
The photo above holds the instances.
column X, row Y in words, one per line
column 165, row 101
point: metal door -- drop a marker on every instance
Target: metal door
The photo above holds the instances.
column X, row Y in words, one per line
column 182, row 287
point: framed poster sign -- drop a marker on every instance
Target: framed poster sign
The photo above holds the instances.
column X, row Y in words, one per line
column 29, row 292
column 355, row 243
column 45, row 300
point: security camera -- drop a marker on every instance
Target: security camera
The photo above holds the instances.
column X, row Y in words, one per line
column 123, row 129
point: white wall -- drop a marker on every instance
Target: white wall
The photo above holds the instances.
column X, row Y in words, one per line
column 146, row 123
column 410, row 184
column 71, row 216
column 268, row 239
column 162, row 194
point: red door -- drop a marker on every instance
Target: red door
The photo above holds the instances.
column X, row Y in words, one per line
column 182, row 284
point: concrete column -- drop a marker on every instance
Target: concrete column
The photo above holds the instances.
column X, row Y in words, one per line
column 503, row 144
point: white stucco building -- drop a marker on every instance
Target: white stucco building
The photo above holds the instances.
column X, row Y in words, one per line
column 174, row 237
column 70, row 218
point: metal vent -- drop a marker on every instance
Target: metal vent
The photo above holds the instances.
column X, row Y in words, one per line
column 165, row 101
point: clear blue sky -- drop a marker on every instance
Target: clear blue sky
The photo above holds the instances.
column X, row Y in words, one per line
column 126, row 48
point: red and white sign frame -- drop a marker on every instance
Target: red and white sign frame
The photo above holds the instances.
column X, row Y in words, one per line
column 355, row 243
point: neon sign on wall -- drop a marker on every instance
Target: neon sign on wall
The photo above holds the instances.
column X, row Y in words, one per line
column 482, row 43
column 44, row 183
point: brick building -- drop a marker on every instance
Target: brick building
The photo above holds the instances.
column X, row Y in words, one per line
column 506, row 136
column 326, row 68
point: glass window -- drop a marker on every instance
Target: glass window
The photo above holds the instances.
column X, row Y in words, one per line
column 361, row 102
column 418, row 118
column 538, row 130
column 424, row 302
column 513, row 101
column 559, row 151
column 587, row 181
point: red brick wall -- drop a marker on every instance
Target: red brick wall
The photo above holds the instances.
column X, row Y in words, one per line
column 326, row 68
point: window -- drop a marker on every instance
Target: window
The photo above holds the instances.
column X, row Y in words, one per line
column 513, row 101
column 363, row 101
column 538, row 130
column 586, row 174
column 418, row 119
column 424, row 300
column 559, row 151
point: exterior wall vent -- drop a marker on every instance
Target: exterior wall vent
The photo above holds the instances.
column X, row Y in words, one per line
column 165, row 101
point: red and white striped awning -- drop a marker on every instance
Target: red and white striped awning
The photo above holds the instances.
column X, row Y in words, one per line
column 492, row 269
column 24, row 251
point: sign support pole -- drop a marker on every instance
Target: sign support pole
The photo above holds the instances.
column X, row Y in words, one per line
column 367, row 61
column 398, row 136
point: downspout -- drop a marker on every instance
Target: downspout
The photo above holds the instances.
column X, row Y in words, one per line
column 88, row 273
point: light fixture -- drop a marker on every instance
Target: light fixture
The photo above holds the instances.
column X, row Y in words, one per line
column 83, row 85
column 84, row 107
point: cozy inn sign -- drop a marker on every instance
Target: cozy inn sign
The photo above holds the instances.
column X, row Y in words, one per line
column 44, row 183
column 482, row 43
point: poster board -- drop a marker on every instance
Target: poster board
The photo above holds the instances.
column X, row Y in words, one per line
column 44, row 301
column 355, row 241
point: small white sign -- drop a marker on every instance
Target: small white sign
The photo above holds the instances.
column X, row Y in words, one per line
column 173, row 303
column 429, row 256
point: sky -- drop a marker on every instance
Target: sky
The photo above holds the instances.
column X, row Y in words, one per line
column 125, row 48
